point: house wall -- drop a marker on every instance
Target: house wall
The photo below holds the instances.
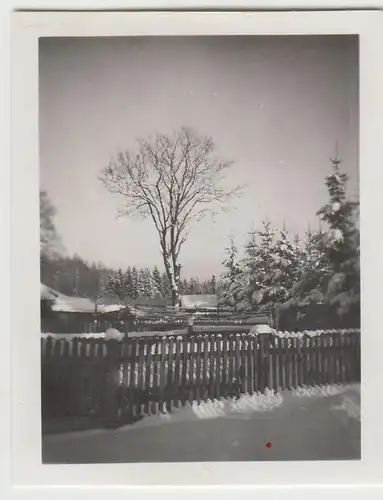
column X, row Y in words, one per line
column 62, row 322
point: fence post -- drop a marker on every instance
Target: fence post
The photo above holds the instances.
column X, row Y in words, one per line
column 271, row 361
column 190, row 325
column 112, row 388
column 264, row 371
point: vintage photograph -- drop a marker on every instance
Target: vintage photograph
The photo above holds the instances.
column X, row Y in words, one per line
column 199, row 248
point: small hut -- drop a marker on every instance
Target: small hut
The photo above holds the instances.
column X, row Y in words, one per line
column 63, row 314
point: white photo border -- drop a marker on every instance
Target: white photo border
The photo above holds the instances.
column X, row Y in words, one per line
column 27, row 469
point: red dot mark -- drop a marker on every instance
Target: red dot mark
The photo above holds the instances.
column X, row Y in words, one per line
column 268, row 445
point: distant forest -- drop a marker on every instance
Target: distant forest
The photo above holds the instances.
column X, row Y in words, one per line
column 74, row 276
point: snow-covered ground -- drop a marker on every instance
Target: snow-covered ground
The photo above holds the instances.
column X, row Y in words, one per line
column 247, row 405
column 224, row 408
column 318, row 424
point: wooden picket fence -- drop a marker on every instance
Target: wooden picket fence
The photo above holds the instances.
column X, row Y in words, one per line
column 120, row 381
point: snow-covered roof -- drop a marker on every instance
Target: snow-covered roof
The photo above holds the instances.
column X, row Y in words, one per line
column 108, row 308
column 47, row 293
column 64, row 303
column 73, row 304
column 203, row 301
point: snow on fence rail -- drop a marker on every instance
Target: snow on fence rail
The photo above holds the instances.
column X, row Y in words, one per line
column 164, row 324
column 122, row 380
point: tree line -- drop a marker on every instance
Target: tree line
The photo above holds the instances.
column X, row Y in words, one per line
column 276, row 269
column 150, row 283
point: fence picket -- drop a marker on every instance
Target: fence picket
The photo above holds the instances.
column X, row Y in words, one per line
column 250, row 361
column 261, row 365
column 317, row 360
column 230, row 376
column 156, row 374
column 133, row 378
column 192, row 359
column 225, row 367
column 311, row 378
column 313, row 360
column 237, row 372
column 282, row 363
column 328, row 347
column 177, row 374
column 294, row 377
column 148, row 375
column 162, row 375
column 243, row 365
column 289, row 362
column 170, row 378
column 340, row 356
column 211, row 366
column 205, row 373
column 126, row 357
column 348, row 367
column 198, row 370
column 356, row 357
column 322, row 358
column 218, row 367
column 111, row 401
column 316, row 356
column 185, row 380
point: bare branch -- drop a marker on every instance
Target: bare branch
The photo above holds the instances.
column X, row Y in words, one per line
column 173, row 179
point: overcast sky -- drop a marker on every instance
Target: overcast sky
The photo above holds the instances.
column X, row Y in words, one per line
column 276, row 106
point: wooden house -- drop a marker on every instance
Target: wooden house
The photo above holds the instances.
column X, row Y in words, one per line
column 63, row 314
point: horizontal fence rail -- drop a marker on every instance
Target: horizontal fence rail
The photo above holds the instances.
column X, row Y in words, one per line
column 155, row 324
column 121, row 381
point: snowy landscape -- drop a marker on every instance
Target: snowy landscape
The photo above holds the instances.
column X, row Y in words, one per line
column 199, row 242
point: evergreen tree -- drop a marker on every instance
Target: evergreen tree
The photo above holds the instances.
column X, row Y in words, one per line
column 232, row 279
column 156, row 276
column 141, row 285
column 149, row 285
column 116, row 287
column 213, row 287
column 184, row 287
column 134, row 282
column 165, row 285
column 286, row 268
column 129, row 282
column 312, row 273
column 260, row 262
column 269, row 269
column 342, row 244
column 331, row 272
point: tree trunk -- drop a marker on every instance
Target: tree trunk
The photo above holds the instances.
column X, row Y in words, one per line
column 172, row 273
column 174, row 297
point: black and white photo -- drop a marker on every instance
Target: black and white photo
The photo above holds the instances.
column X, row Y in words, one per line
column 199, row 248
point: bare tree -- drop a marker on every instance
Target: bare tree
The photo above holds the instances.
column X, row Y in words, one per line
column 174, row 180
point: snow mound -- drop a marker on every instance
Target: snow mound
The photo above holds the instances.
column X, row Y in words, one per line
column 324, row 390
column 351, row 405
column 211, row 409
